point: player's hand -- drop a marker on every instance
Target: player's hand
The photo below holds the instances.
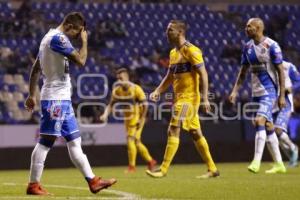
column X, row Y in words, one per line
column 206, row 105
column 232, row 97
column 154, row 96
column 103, row 118
column 84, row 35
column 281, row 102
column 29, row 104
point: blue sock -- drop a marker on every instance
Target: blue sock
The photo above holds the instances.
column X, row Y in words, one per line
column 88, row 179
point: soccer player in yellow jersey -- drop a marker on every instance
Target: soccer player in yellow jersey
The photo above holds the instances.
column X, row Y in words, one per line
column 186, row 71
column 132, row 99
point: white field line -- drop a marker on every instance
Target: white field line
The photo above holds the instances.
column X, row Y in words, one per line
column 121, row 195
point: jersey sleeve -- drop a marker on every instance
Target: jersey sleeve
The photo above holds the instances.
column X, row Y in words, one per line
column 244, row 59
column 140, row 94
column 294, row 74
column 195, row 57
column 275, row 54
column 61, row 44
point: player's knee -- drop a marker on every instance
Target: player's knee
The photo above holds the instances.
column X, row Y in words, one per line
column 195, row 134
column 137, row 141
column 131, row 138
column 269, row 126
column 34, row 156
column 278, row 131
column 259, row 121
column 173, row 131
column 38, row 154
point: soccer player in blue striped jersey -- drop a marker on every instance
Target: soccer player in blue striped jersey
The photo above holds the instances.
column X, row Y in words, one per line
column 58, row 118
column 281, row 116
column 263, row 57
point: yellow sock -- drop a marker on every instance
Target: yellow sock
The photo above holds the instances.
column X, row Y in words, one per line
column 203, row 149
column 131, row 148
column 171, row 149
column 142, row 149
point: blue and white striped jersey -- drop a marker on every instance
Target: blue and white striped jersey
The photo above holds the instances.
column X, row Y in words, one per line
column 53, row 52
column 261, row 59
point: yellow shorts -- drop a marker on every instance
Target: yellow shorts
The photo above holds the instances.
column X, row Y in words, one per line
column 134, row 128
column 186, row 115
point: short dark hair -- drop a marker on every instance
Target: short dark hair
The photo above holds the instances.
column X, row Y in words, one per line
column 75, row 18
column 121, row 69
column 180, row 24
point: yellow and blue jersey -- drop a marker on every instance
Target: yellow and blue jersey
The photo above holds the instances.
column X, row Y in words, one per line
column 129, row 96
column 183, row 62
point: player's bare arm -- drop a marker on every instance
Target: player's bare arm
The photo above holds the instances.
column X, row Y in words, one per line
column 107, row 111
column 204, row 88
column 281, row 98
column 33, row 82
column 79, row 57
column 239, row 82
column 163, row 86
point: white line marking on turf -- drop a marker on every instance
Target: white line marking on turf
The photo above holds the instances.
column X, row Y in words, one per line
column 69, row 197
column 123, row 195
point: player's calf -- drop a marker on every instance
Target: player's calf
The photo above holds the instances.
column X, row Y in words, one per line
column 294, row 157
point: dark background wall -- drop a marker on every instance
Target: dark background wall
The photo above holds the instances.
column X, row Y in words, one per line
column 225, row 140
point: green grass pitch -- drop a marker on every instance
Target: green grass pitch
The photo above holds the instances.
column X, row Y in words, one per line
column 180, row 183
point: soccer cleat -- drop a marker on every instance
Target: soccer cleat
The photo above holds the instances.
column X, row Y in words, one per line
column 130, row 169
column 151, row 164
column 254, row 166
column 209, row 174
column 277, row 168
column 36, row 189
column 96, row 184
column 294, row 157
column 155, row 173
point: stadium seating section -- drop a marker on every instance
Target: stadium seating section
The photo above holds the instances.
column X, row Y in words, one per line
column 145, row 25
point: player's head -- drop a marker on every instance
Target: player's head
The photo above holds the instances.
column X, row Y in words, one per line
column 73, row 24
column 254, row 27
column 175, row 30
column 122, row 74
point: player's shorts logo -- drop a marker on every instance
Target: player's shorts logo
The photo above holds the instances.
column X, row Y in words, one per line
column 57, row 126
column 55, row 111
column 249, row 51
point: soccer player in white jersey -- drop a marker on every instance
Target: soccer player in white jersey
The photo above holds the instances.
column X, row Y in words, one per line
column 57, row 115
column 281, row 116
column 263, row 56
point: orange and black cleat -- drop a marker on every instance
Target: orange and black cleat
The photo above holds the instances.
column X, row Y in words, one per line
column 130, row 169
column 152, row 164
column 36, row 189
column 96, row 184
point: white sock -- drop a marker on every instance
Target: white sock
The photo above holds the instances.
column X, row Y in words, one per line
column 270, row 150
column 38, row 158
column 285, row 141
column 260, row 140
column 273, row 146
column 79, row 158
